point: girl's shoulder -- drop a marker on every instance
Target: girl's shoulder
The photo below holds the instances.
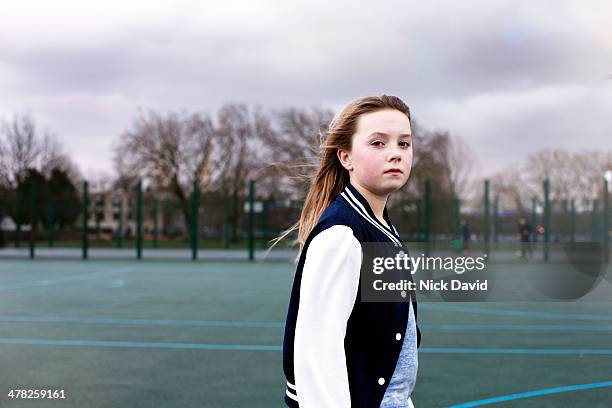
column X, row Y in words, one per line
column 338, row 213
column 363, row 225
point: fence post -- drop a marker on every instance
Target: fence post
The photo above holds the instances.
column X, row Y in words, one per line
column 120, row 226
column 427, row 203
column 18, row 217
column 495, row 219
column 457, row 212
column 567, row 214
column 194, row 221
column 606, row 222
column 419, row 204
column 251, row 219
column 573, row 221
column 155, row 225
column 594, row 220
column 264, row 224
column 32, row 215
column 534, row 219
column 49, row 215
column 226, row 226
column 85, row 239
column 546, row 218
column 3, row 212
column 139, row 220
column 605, row 213
column 485, row 217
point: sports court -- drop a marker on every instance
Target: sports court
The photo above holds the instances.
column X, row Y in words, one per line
column 127, row 333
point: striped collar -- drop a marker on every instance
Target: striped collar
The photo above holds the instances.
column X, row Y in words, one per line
column 359, row 203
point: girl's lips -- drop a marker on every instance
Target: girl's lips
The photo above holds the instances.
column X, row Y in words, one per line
column 393, row 172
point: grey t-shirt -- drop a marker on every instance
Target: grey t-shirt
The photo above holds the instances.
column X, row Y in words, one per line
column 404, row 376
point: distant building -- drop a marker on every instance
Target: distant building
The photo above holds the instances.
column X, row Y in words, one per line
column 8, row 224
column 105, row 210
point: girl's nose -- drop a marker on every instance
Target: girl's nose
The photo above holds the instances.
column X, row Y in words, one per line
column 395, row 155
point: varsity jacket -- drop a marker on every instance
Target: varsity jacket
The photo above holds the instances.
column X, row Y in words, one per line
column 339, row 351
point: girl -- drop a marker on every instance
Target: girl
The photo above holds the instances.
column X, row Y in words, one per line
column 338, row 351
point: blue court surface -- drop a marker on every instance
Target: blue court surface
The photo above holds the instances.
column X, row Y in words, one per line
column 178, row 333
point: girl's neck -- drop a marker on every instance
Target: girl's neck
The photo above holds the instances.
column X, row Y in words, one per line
column 377, row 203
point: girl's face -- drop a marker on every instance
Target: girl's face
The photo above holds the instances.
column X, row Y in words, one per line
column 381, row 153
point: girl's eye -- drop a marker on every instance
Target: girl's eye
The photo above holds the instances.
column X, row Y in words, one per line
column 405, row 144
column 377, row 143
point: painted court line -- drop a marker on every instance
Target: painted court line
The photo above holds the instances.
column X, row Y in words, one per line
column 557, row 352
column 536, row 393
column 141, row 344
column 138, row 322
column 281, row 325
column 63, row 279
column 261, row 347
column 516, row 327
column 515, row 313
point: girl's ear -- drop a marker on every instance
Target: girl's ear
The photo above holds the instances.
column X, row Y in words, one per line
column 345, row 159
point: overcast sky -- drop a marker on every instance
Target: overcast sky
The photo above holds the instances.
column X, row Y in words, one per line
column 510, row 77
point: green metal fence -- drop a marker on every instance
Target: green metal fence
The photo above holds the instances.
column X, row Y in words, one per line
column 142, row 219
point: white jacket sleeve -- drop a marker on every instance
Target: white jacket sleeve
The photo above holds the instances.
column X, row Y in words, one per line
column 330, row 280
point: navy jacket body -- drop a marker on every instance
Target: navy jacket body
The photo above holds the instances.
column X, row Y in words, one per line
column 339, row 351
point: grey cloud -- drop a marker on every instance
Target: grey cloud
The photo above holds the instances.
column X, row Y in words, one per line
column 426, row 54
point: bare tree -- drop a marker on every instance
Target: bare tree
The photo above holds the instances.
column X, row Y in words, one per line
column 233, row 160
column 461, row 163
column 290, row 146
column 555, row 165
column 572, row 175
column 22, row 148
column 171, row 150
column 588, row 168
column 233, row 155
column 53, row 156
column 430, row 161
column 509, row 189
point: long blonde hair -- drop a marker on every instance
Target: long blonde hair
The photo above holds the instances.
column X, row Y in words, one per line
column 329, row 180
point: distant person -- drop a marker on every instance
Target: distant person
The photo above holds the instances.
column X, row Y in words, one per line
column 524, row 230
column 465, row 233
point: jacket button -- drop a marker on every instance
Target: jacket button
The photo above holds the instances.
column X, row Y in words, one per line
column 398, row 336
column 381, row 381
